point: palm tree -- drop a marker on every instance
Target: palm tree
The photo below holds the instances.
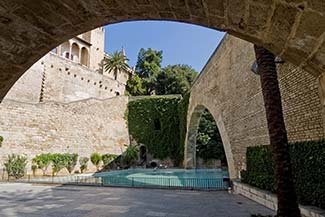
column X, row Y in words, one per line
column 116, row 62
column 287, row 199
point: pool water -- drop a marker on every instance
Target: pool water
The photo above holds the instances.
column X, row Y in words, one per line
column 167, row 178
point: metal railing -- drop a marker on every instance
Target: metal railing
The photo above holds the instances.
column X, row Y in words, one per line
column 135, row 182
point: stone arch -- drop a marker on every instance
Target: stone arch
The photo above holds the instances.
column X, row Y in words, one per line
column 84, row 56
column 75, row 50
column 31, row 30
column 190, row 141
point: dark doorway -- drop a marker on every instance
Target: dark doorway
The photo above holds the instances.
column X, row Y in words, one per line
column 143, row 155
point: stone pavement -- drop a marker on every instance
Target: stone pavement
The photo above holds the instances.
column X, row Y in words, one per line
column 28, row 200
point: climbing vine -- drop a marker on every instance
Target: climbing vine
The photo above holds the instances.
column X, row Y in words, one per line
column 182, row 111
column 154, row 122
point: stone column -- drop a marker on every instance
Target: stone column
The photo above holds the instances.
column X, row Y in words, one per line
column 79, row 60
column 70, row 51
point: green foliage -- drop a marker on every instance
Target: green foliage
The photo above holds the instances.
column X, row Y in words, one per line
column 260, row 168
column 116, row 62
column 83, row 161
column 209, row 143
column 108, row 158
column 147, row 68
column 182, row 112
column 95, row 159
column 42, row 161
column 135, row 86
column 142, row 115
column 15, row 165
column 149, row 63
column 71, row 161
column 176, row 79
column 130, row 155
column 308, row 168
column 59, row 161
column 1, row 140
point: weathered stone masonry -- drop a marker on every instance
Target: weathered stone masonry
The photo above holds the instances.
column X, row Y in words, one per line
column 231, row 92
column 82, row 127
column 294, row 29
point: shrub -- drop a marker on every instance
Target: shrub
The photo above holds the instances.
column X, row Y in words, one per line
column 42, row 162
column 15, row 165
column 1, row 140
column 71, row 161
column 108, row 158
column 308, row 168
column 130, row 155
column 83, row 161
column 95, row 159
column 58, row 163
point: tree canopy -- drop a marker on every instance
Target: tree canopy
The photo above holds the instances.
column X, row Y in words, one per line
column 149, row 63
column 116, row 62
column 208, row 140
column 176, row 79
column 151, row 77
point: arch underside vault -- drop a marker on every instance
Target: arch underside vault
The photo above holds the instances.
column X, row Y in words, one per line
column 30, row 29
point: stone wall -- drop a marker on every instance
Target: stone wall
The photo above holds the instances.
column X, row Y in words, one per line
column 28, row 87
column 62, row 80
column 231, row 92
column 81, row 127
column 270, row 200
column 301, row 104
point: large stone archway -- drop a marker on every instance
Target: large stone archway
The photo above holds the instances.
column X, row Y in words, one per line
column 290, row 28
column 232, row 93
column 190, row 147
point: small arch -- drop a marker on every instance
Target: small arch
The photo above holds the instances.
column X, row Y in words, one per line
column 65, row 50
column 117, row 93
column 84, row 56
column 75, row 52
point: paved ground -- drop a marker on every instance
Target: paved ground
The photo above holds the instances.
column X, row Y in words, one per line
column 71, row 201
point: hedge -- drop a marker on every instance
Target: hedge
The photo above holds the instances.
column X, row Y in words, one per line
column 308, row 164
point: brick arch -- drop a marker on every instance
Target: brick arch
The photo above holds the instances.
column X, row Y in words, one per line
column 30, row 29
column 190, row 142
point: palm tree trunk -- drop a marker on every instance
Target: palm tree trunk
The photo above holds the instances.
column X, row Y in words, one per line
column 287, row 199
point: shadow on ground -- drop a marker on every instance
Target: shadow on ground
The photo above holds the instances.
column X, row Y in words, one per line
column 26, row 200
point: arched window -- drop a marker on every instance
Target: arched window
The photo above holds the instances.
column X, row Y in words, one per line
column 75, row 53
column 65, row 50
column 84, row 56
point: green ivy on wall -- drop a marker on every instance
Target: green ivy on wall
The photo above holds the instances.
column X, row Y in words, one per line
column 158, row 122
column 182, row 111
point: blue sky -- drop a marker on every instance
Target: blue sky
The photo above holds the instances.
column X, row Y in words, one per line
column 181, row 43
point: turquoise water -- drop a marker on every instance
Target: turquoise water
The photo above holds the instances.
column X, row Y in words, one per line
column 165, row 178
